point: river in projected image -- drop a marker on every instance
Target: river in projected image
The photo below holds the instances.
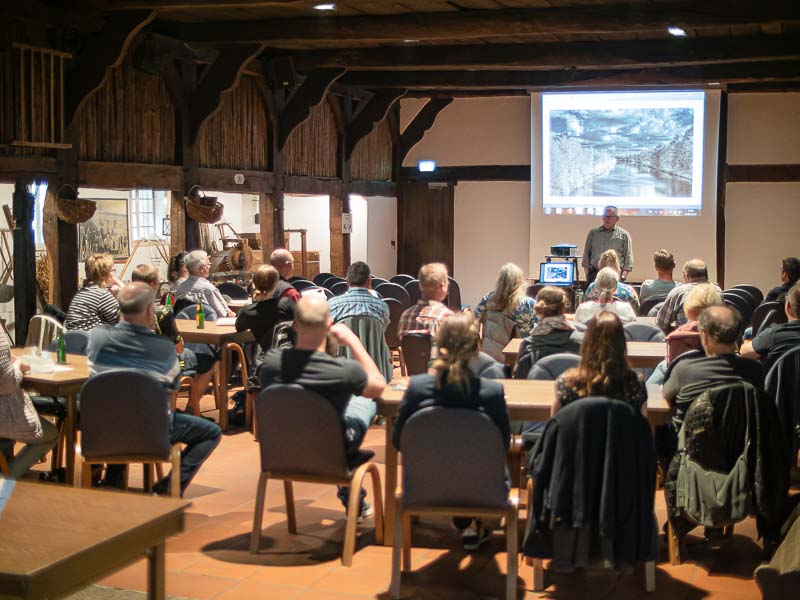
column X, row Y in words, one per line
column 634, row 181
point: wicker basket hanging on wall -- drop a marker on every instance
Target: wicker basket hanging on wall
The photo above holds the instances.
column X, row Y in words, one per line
column 203, row 209
column 72, row 209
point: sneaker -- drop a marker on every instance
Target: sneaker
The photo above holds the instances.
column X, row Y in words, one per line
column 366, row 511
column 473, row 538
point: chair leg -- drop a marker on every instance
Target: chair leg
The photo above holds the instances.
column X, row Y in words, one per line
column 403, row 369
column 159, row 471
column 248, row 410
column 125, row 476
column 4, row 470
column 175, row 475
column 377, row 500
column 288, row 494
column 258, row 514
column 512, row 538
column 538, row 575
column 86, row 473
column 650, row 576
column 407, row 532
column 727, row 531
column 673, row 546
column 353, row 506
column 397, row 544
column 147, row 477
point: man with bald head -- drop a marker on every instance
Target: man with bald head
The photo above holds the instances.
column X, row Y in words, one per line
column 671, row 314
column 283, row 261
column 348, row 384
column 132, row 345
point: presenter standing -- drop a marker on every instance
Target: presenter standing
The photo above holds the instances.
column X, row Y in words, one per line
column 607, row 236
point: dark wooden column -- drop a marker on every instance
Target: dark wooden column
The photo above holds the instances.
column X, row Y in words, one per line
column 722, row 184
column 24, row 261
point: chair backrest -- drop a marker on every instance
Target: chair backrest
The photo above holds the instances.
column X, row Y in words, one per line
column 550, row 367
column 370, row 331
column 376, row 281
column 453, row 300
column 687, row 355
column 412, row 287
column 190, row 312
column 125, row 413
column 497, row 330
column 299, row 432
column 302, row 284
column 294, row 278
column 740, row 304
column 42, row 330
column 642, row 332
column 453, row 457
column 783, row 384
column 331, row 281
column 754, row 291
column 328, row 294
column 321, row 278
column 654, row 311
column 396, row 309
column 393, row 290
column 748, row 298
column 416, row 352
column 762, row 310
column 648, row 303
column 401, row 279
column 76, row 342
column 680, row 342
column 339, row 288
column 233, row 290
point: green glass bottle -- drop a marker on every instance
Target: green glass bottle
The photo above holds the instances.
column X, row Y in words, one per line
column 168, row 303
column 61, row 351
column 201, row 316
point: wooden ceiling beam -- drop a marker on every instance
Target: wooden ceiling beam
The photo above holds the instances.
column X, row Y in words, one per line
column 307, row 95
column 491, row 23
column 195, row 4
column 41, row 13
column 371, row 113
column 544, row 56
column 477, row 80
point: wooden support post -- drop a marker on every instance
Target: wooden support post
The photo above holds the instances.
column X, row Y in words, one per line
column 339, row 261
column 24, row 261
column 722, row 184
column 266, row 224
column 177, row 220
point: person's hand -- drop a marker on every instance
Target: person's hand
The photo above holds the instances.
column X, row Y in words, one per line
column 23, row 368
column 231, row 313
column 343, row 335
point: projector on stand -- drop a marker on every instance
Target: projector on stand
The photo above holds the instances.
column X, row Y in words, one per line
column 564, row 250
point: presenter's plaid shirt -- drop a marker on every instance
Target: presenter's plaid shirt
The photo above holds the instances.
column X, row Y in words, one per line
column 358, row 302
column 423, row 317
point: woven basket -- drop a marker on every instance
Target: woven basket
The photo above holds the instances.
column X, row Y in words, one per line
column 76, row 211
column 205, row 209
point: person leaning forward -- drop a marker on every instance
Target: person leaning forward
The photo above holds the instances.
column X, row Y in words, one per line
column 607, row 236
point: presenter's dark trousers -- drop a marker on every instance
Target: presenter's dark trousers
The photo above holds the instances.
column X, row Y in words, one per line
column 591, row 274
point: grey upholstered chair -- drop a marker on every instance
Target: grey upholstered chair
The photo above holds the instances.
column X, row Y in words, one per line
column 550, row 367
column 415, row 353
column 393, row 290
column 642, row 332
column 401, row 279
column 412, row 287
column 125, row 418
column 454, row 465
column 76, row 342
column 754, row 291
column 234, row 291
column 762, row 314
column 301, row 438
column 650, row 302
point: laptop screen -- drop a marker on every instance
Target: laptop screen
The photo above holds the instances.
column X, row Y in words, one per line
column 557, row 273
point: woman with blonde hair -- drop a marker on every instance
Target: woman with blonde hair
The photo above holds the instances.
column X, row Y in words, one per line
column 624, row 292
column 604, row 298
column 453, row 385
column 95, row 302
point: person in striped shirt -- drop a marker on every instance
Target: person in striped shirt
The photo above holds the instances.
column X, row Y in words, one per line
column 358, row 300
column 95, row 303
column 425, row 315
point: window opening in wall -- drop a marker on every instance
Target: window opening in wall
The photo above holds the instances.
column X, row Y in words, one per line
column 148, row 209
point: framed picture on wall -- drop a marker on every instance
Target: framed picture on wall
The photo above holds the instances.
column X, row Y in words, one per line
column 107, row 231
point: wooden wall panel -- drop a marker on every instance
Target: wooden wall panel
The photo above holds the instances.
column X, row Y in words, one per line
column 236, row 136
column 129, row 119
column 372, row 156
column 425, row 226
column 311, row 148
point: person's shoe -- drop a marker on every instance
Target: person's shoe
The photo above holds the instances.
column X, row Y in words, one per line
column 473, row 538
column 366, row 511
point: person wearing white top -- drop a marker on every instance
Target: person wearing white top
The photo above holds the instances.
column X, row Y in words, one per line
column 605, row 286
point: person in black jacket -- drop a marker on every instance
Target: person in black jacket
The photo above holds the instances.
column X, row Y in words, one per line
column 790, row 274
column 453, row 385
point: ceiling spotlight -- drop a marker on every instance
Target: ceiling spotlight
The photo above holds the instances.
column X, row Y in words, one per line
column 410, row 41
column 325, row 6
column 676, row 31
column 714, row 83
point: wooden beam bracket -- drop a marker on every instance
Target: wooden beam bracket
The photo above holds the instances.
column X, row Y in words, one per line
column 421, row 123
column 371, row 112
column 305, row 97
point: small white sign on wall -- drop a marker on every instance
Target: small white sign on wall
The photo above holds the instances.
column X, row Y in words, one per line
column 347, row 222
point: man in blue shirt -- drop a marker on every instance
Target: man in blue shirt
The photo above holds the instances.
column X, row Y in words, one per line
column 358, row 301
column 132, row 345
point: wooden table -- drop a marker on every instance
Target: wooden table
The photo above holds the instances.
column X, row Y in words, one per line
column 644, row 355
column 66, row 384
column 216, row 335
column 526, row 401
column 237, row 305
column 59, row 539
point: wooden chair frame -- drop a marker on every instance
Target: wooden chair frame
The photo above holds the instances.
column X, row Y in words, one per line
column 354, row 482
column 4, row 468
column 147, row 464
column 401, row 544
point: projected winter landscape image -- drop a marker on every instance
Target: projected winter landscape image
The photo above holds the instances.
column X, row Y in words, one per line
column 640, row 151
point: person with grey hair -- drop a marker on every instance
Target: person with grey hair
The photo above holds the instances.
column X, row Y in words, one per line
column 197, row 288
column 607, row 236
column 283, row 261
column 132, row 345
column 671, row 314
column 605, row 286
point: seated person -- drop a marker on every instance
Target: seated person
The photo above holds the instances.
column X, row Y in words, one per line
column 176, row 271
column 604, row 369
column 132, row 344
column 663, row 283
column 453, row 385
column 624, row 292
column 199, row 365
column 19, row 421
column 198, row 289
column 509, row 298
column 426, row 315
column 790, row 274
column 719, row 328
column 775, row 341
column 606, row 289
column 95, row 302
column 671, row 314
column 283, row 261
column 553, row 332
column 349, row 384
column 358, row 301
column 687, row 337
column 265, row 312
